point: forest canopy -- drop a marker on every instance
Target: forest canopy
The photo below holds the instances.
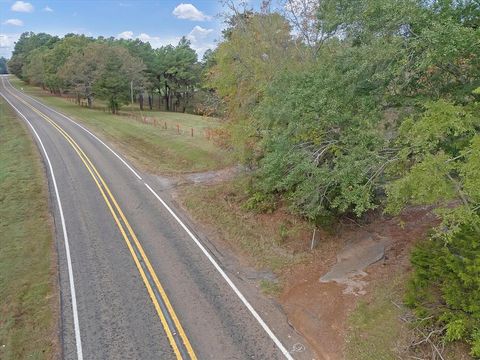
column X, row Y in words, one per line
column 107, row 68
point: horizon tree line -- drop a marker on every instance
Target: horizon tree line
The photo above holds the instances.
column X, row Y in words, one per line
column 109, row 69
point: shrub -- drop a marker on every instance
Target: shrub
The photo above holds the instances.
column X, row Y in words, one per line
column 446, row 285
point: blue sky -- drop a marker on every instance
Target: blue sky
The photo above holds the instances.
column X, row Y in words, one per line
column 159, row 22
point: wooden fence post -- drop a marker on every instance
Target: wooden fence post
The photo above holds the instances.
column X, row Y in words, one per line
column 313, row 244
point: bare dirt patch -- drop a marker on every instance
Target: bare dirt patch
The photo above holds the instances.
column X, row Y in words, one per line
column 319, row 310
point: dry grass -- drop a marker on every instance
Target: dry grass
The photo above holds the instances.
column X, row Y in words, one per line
column 381, row 328
column 375, row 328
column 272, row 241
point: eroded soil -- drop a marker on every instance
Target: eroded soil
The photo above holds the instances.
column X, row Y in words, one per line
column 319, row 310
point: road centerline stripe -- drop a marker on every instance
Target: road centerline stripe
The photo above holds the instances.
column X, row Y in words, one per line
column 247, row 304
column 237, row 292
column 84, row 129
column 167, row 321
column 143, row 256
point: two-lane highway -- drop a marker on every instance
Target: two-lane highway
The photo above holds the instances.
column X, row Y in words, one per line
column 135, row 281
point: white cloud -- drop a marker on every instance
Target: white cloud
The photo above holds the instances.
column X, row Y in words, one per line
column 14, row 22
column 157, row 41
column 125, row 35
column 201, row 39
column 145, row 37
column 47, row 9
column 22, row 6
column 198, row 33
column 189, row 12
column 7, row 43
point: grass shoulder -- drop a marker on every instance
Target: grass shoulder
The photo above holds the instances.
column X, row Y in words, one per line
column 269, row 241
column 28, row 287
column 375, row 330
column 148, row 144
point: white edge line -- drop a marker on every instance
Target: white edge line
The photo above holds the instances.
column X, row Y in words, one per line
column 225, row 276
column 270, row 333
column 78, row 339
column 83, row 128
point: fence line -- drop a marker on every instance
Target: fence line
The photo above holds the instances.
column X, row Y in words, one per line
column 175, row 127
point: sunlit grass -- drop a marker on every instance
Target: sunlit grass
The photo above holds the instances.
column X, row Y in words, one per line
column 152, row 148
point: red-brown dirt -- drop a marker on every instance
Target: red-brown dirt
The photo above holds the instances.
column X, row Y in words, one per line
column 319, row 310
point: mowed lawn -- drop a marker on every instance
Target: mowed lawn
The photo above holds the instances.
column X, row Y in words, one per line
column 28, row 288
column 151, row 148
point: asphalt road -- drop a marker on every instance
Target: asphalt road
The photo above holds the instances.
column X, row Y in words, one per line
column 136, row 281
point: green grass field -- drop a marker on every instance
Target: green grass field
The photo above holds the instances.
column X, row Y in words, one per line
column 151, row 148
column 28, row 293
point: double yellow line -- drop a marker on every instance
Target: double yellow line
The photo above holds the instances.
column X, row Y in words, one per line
column 176, row 335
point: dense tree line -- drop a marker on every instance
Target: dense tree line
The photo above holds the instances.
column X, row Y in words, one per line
column 343, row 107
column 107, row 68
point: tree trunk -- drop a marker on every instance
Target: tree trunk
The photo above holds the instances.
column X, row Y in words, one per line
column 185, row 101
column 150, row 102
column 112, row 106
column 167, row 98
column 140, row 101
column 89, row 101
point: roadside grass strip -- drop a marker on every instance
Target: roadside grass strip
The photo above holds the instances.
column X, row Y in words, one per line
column 150, row 148
column 28, row 289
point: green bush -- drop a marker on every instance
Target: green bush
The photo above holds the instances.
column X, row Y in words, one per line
column 321, row 139
column 260, row 202
column 446, row 285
